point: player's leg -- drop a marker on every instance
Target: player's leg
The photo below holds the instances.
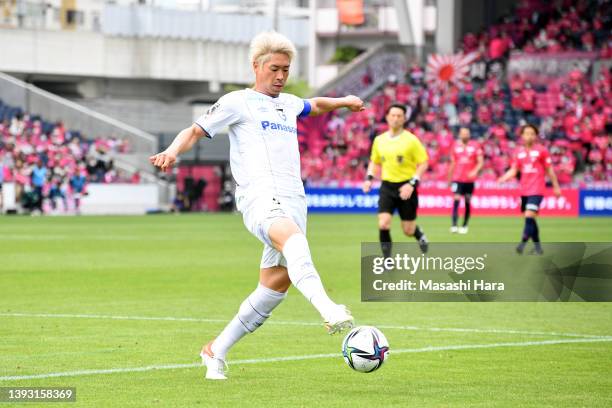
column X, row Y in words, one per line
column 531, row 213
column 408, row 214
column 468, row 189
column 387, row 202
column 535, row 234
column 384, row 233
column 456, row 202
column 526, row 229
column 77, row 202
column 287, row 237
column 530, row 206
column 253, row 312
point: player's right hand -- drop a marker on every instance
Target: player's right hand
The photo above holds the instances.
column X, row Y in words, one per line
column 354, row 103
column 367, row 186
column 164, row 160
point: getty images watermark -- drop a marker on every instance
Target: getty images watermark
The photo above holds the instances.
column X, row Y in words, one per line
column 413, row 264
column 487, row 272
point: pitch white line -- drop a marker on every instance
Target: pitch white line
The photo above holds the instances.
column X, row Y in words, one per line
column 290, row 323
column 80, row 373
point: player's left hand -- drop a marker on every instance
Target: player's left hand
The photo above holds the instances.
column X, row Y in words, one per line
column 354, row 103
column 406, row 191
column 557, row 192
column 472, row 174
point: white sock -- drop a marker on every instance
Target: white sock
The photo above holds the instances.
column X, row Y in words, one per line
column 253, row 312
column 303, row 274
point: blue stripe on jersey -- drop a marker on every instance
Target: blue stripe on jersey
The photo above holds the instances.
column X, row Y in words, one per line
column 306, row 111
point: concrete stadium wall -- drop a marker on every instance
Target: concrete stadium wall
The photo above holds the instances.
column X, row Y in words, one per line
column 91, row 54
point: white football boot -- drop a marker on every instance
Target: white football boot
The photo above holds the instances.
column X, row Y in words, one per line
column 463, row 230
column 454, row 229
column 339, row 320
column 215, row 367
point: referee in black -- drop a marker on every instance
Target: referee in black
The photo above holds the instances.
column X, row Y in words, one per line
column 401, row 159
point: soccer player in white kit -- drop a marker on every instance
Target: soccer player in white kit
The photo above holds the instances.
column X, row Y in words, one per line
column 265, row 163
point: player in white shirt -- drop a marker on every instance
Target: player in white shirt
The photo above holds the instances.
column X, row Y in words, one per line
column 265, row 162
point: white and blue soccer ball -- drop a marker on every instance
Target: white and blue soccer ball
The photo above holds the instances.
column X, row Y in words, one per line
column 365, row 349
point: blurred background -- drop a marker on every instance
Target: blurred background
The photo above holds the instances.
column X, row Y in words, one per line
column 90, row 88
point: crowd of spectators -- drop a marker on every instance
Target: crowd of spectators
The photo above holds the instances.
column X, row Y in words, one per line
column 574, row 113
column 49, row 163
column 538, row 26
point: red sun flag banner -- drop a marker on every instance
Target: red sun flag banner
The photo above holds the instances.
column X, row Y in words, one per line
column 446, row 69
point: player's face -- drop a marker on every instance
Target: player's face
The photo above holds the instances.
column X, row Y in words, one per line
column 529, row 136
column 464, row 135
column 396, row 118
column 271, row 76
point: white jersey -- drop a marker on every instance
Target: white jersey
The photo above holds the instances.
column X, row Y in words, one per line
column 264, row 153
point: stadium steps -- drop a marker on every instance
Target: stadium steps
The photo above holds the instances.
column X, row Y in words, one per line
column 378, row 63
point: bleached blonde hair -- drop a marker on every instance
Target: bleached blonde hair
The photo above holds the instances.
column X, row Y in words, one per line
column 263, row 45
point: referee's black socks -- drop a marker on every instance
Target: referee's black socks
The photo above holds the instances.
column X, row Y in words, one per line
column 385, row 242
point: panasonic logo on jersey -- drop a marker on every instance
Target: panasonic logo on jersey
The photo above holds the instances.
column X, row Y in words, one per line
column 277, row 126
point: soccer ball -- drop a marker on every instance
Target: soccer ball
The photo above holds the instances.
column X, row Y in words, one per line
column 365, row 349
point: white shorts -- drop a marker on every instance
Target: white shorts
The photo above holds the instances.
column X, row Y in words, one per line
column 258, row 214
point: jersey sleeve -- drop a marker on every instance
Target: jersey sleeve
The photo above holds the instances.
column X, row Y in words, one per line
column 420, row 153
column 375, row 154
column 300, row 106
column 221, row 114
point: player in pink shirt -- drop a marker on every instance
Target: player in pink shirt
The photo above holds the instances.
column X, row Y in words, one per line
column 467, row 159
column 533, row 162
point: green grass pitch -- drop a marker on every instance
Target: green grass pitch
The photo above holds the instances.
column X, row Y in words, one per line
column 69, row 284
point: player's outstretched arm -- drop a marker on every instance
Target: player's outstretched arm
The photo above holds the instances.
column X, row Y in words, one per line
column 479, row 165
column 320, row 105
column 181, row 143
column 511, row 173
column 451, row 170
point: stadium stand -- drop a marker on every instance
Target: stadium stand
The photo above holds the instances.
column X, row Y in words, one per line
column 574, row 112
column 42, row 158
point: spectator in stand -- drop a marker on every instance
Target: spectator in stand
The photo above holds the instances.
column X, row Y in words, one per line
column 58, row 191
column 39, row 178
column 78, row 183
column 499, row 46
column 528, row 96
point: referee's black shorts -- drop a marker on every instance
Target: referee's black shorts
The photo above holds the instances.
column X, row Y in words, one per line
column 389, row 200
